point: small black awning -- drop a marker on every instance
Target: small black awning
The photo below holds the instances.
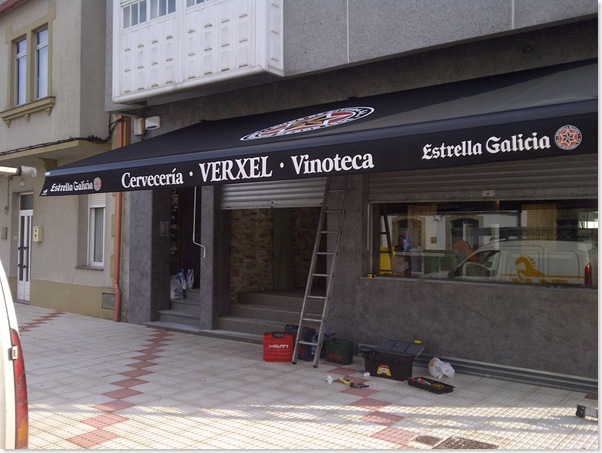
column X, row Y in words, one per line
column 523, row 115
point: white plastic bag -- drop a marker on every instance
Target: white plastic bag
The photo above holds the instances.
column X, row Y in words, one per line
column 176, row 291
column 438, row 368
column 182, row 279
column 189, row 278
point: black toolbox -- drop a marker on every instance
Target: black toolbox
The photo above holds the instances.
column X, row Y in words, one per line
column 431, row 385
column 306, row 352
column 392, row 359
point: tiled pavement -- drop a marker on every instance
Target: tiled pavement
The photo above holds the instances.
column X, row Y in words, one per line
column 99, row 384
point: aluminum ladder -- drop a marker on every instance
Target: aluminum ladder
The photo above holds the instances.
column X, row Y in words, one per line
column 326, row 245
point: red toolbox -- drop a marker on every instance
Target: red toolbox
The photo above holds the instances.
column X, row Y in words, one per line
column 278, row 346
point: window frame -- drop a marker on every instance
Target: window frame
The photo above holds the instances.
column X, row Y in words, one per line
column 97, row 203
column 138, row 12
column 42, row 49
column 35, row 100
column 20, row 71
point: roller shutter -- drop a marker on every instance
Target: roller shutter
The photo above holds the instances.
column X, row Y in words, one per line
column 274, row 194
column 554, row 178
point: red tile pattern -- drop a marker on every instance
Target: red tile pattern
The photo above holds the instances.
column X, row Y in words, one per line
column 377, row 416
column 382, row 418
column 120, row 394
column 92, row 439
column 40, row 321
column 398, row 436
column 141, row 365
column 137, row 373
column 100, row 421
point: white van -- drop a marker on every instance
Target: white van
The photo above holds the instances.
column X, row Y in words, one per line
column 14, row 409
column 531, row 262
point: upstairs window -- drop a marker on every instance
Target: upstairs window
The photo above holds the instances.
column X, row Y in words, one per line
column 31, row 73
column 29, row 62
column 41, row 67
column 162, row 7
column 21, row 72
column 141, row 11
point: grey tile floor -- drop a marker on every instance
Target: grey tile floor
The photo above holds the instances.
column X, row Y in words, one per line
column 99, row 384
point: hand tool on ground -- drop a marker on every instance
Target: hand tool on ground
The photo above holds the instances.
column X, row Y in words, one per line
column 585, row 411
column 436, row 385
column 352, row 384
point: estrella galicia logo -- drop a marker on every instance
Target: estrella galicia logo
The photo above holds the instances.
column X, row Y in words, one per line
column 97, row 184
column 312, row 122
column 568, row 137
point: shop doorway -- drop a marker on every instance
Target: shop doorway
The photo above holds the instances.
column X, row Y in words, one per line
column 24, row 246
column 271, row 249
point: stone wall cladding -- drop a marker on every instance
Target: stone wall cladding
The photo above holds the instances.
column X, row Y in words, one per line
column 305, row 224
column 252, row 251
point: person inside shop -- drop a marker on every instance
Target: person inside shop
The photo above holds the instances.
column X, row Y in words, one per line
column 463, row 250
column 402, row 258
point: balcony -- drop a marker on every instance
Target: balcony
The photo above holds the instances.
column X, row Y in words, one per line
column 164, row 47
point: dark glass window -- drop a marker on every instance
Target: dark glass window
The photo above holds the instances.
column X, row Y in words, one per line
column 520, row 242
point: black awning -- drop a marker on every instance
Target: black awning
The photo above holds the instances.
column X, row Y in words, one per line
column 523, row 115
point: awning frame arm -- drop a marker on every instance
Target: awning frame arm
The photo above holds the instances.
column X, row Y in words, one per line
column 194, row 226
column 23, row 170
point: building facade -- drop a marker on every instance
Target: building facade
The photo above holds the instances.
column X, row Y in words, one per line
column 56, row 252
column 455, row 121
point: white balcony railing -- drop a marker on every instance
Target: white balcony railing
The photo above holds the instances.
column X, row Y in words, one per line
column 190, row 46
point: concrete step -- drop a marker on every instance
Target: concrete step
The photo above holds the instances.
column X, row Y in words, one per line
column 286, row 300
column 172, row 326
column 222, row 334
column 190, row 295
column 186, row 305
column 179, row 317
column 234, row 336
column 193, row 294
column 248, row 325
column 253, row 315
column 268, row 313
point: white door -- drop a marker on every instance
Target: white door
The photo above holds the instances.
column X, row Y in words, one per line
column 24, row 250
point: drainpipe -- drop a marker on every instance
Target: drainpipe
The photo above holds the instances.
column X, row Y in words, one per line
column 124, row 139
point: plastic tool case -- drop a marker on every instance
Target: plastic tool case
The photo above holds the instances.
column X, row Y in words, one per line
column 278, row 346
column 339, row 350
column 392, row 359
column 306, row 352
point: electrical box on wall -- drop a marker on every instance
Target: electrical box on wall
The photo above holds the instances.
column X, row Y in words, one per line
column 37, row 234
column 138, row 126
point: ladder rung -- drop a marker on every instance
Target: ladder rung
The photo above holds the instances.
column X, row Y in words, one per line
column 329, row 232
column 312, row 319
column 321, row 275
column 316, row 297
column 326, row 253
column 309, row 343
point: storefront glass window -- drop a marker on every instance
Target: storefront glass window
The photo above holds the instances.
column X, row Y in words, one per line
column 516, row 242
